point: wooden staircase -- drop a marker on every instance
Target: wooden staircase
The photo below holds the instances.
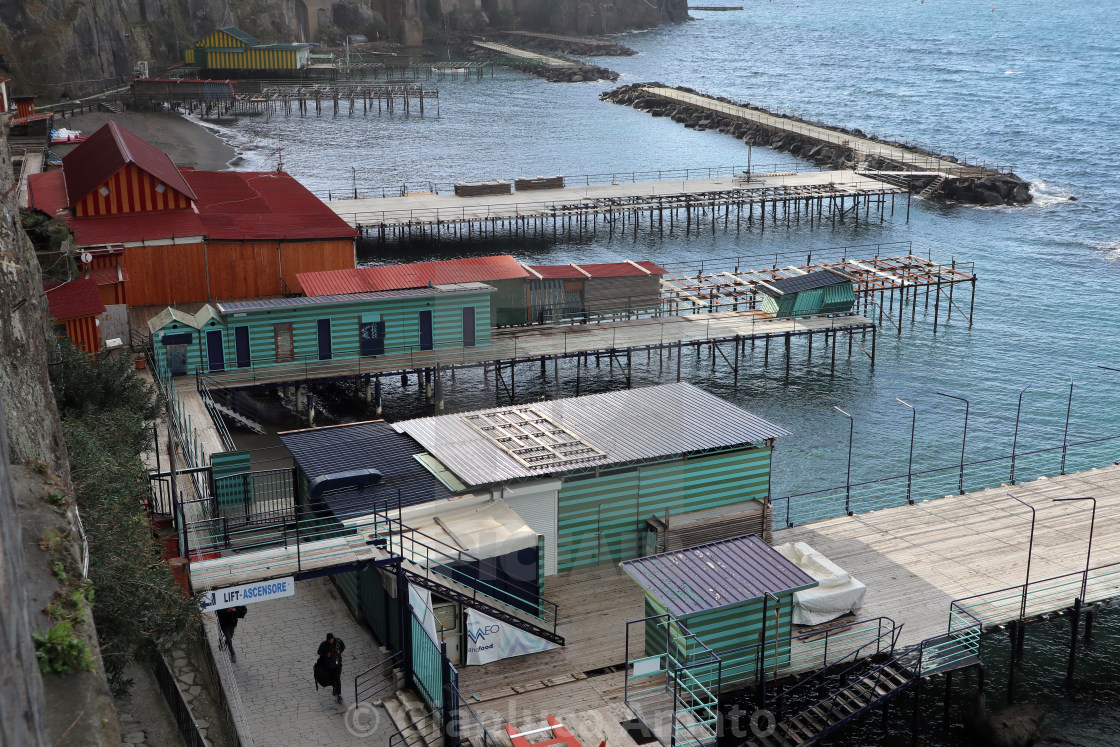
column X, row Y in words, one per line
column 932, row 188
column 237, row 417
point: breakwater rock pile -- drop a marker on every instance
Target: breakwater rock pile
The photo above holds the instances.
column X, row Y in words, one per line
column 578, row 72
column 968, row 184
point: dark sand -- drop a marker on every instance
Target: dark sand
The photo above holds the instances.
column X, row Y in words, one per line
column 186, row 142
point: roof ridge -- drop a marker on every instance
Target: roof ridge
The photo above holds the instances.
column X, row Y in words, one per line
column 115, row 131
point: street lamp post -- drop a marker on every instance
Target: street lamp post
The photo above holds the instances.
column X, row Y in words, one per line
column 910, row 466
column 964, row 438
column 1015, row 441
column 848, row 483
column 1089, row 551
column 1065, row 433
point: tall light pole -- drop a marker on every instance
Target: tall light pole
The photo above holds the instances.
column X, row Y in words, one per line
column 1065, row 433
column 1030, row 552
column 848, row 483
column 1015, row 441
column 1089, row 551
column 910, row 466
column 964, row 438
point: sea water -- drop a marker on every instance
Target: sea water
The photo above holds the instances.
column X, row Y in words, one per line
column 1030, row 84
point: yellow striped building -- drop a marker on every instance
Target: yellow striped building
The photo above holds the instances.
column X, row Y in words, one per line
column 232, row 49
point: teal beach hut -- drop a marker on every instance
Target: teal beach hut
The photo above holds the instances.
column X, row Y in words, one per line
column 813, row 294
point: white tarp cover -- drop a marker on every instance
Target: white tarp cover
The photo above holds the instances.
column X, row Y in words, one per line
column 490, row 640
column 479, row 525
column 836, row 592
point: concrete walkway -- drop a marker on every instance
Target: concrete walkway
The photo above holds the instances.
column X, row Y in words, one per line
column 271, row 688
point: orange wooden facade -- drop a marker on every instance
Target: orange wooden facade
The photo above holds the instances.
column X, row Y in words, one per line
column 184, row 273
column 84, row 331
column 130, row 190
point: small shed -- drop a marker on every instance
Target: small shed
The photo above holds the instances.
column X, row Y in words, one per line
column 178, row 338
column 559, row 291
column 813, row 294
column 75, row 308
column 730, row 594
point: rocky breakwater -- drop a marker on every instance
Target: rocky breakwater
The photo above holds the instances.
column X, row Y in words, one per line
column 972, row 185
column 577, row 72
column 568, row 45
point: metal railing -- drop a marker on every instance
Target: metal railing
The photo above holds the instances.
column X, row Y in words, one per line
column 426, row 661
column 1041, row 597
column 219, row 422
column 189, row 729
column 257, row 497
column 827, row 503
column 378, row 679
column 420, row 732
column 960, row 644
column 471, row 726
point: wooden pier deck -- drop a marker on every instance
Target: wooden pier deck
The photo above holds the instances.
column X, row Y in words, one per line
column 917, row 559
column 841, row 190
column 910, row 158
column 552, row 341
column 533, row 58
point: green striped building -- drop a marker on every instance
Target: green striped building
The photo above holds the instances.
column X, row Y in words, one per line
column 261, row 333
column 813, row 294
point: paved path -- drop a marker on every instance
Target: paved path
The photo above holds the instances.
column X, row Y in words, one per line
column 271, row 685
column 913, row 159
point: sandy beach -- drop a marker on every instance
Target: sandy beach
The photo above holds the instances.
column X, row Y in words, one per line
column 188, row 143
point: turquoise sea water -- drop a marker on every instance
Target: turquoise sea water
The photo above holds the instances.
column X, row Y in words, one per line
column 1028, row 83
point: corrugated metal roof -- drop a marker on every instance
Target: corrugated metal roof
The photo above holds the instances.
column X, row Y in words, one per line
column 627, row 426
column 798, row 283
column 74, row 298
column 106, row 152
column 237, row 33
column 228, row 307
column 716, row 574
column 369, row 445
column 606, row 270
column 411, row 275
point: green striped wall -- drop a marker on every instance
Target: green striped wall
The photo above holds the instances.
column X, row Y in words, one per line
column 196, row 351
column 367, row 599
column 832, row 299
column 602, row 519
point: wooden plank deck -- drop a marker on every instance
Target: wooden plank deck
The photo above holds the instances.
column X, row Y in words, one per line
column 605, row 198
column 524, row 54
column 917, row 559
column 528, row 343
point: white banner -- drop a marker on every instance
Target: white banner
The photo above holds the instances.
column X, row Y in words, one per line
column 421, row 601
column 262, row 591
column 490, row 640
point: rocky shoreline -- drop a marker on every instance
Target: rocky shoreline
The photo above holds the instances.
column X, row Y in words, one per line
column 981, row 188
column 569, row 45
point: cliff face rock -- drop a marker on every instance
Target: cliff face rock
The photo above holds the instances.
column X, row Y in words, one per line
column 582, row 17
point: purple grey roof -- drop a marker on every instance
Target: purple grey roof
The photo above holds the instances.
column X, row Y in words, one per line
column 716, row 574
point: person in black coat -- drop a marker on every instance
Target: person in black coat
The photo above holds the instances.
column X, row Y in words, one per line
column 227, row 621
column 330, row 659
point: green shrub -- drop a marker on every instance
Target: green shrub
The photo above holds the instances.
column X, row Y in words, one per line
column 61, row 651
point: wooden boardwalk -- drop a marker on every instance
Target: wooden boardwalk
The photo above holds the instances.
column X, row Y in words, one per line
column 911, row 158
column 521, row 344
column 529, row 57
column 613, row 199
column 917, row 559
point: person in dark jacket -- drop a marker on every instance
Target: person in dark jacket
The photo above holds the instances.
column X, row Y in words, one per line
column 330, row 656
column 227, row 621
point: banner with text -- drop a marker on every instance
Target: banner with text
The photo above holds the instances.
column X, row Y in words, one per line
column 490, row 640
column 262, row 591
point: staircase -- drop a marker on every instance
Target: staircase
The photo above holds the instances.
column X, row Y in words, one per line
column 932, row 188
column 416, row 725
column 841, row 706
column 237, row 417
column 109, row 106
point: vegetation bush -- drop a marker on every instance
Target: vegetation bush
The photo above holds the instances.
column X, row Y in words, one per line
column 139, row 608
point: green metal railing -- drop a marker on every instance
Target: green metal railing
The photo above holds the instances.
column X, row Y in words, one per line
column 960, row 645
column 259, row 497
column 427, row 662
column 677, row 670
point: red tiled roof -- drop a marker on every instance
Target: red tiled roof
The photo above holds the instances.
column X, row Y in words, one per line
column 608, row 270
column 106, row 152
column 74, row 298
column 414, row 275
column 262, row 205
column 20, row 121
column 228, row 205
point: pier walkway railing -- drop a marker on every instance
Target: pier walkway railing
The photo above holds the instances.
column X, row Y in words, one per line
column 958, row 479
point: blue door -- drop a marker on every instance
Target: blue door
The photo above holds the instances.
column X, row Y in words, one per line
column 372, row 338
column 176, row 359
column 323, row 327
column 241, row 347
column 468, row 327
column 426, row 330
column 215, row 354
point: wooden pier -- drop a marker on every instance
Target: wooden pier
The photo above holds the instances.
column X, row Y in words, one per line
column 736, row 200
column 339, row 98
column 522, row 57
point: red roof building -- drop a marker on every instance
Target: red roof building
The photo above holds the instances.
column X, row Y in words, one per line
column 75, row 307
column 412, row 275
column 176, row 235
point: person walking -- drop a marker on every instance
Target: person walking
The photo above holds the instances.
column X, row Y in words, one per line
column 330, row 660
column 227, row 621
